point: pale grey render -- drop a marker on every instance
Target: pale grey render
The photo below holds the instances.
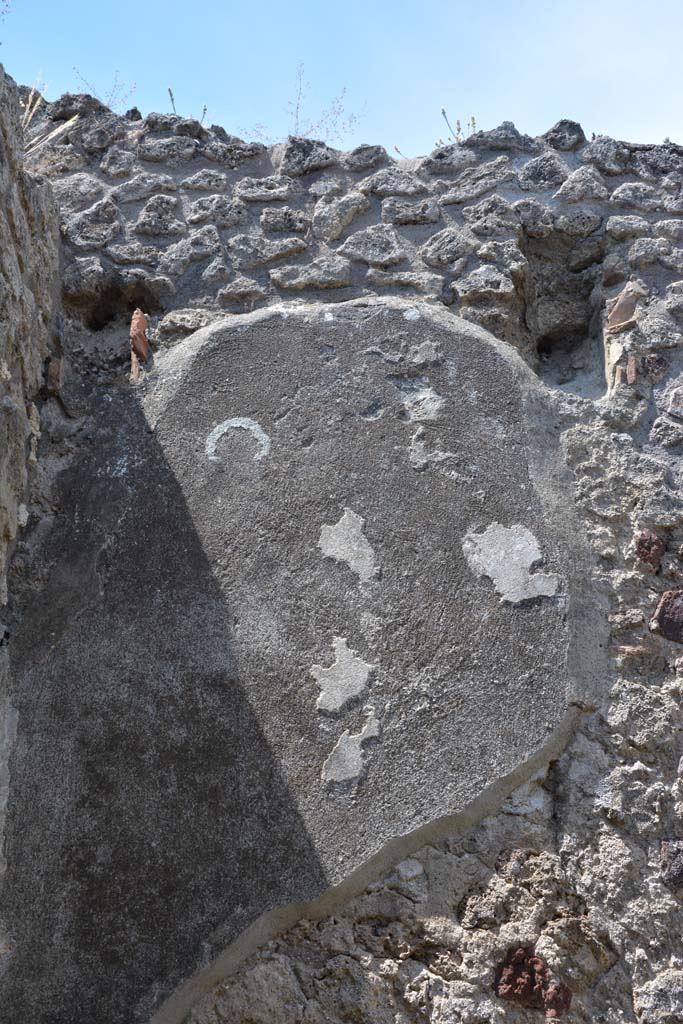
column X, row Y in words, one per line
column 345, row 542
column 507, row 554
column 345, row 679
column 345, row 763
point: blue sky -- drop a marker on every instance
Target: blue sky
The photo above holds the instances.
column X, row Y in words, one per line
column 617, row 67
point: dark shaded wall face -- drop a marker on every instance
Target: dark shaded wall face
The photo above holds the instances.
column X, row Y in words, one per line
column 137, row 757
column 168, row 783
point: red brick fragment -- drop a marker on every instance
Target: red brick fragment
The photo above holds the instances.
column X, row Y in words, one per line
column 524, row 978
column 138, row 337
column 54, row 376
column 667, row 620
column 650, row 548
column 631, row 370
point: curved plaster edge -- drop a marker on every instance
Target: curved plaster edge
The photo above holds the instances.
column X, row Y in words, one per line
column 274, row 922
column 171, row 366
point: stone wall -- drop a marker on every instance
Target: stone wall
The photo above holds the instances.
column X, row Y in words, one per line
column 566, row 900
column 29, row 287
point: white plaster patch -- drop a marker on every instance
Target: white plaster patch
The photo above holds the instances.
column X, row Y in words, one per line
column 411, row 314
column 345, row 542
column 238, row 423
column 409, row 869
column 506, row 555
column 420, row 401
column 426, row 354
column 424, row 405
column 345, row 763
column 342, row 681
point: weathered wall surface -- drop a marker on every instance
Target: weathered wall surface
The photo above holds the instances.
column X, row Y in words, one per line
column 565, row 901
column 29, row 286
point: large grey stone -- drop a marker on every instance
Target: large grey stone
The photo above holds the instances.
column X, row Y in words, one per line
column 315, row 587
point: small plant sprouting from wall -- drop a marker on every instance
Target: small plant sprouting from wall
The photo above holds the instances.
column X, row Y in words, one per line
column 334, row 123
column 30, row 107
column 457, row 134
column 173, row 106
column 116, row 97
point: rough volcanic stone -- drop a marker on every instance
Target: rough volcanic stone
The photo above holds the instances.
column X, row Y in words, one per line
column 104, row 133
column 95, row 227
column 578, row 223
column 134, row 252
column 71, row 104
column 629, row 226
column 639, row 196
column 672, row 229
column 242, row 289
column 236, row 512
column 189, row 127
column 142, row 186
column 284, row 218
column 448, row 160
column 492, row 216
column 403, row 211
column 221, row 210
column 158, row 217
column 255, row 250
column 198, row 245
column 177, row 150
column 445, row 247
column 654, row 162
column 217, row 271
column 332, row 214
column 583, row 183
column 536, row 219
column 364, row 157
column 565, row 136
column 232, row 153
column 505, row 136
column 301, row 156
column 156, row 122
column 476, row 181
column 380, row 245
column 323, row 272
column 265, row 190
column 660, row 1001
column 645, row 252
column 546, row 171
column 78, row 191
column 667, row 620
column 671, row 863
column 429, row 284
column 117, row 162
column 207, row 180
column 392, row 182
column 609, row 156
column 485, row 283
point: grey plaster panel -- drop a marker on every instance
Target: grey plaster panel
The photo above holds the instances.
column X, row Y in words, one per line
column 176, row 773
